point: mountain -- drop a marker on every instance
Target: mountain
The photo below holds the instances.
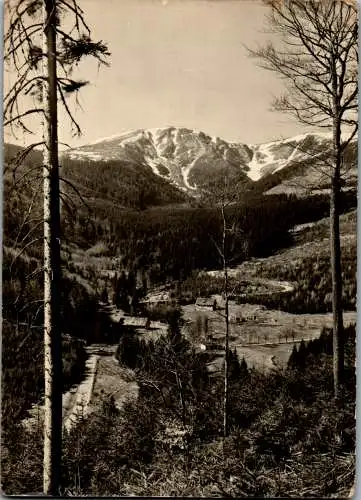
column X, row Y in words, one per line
column 272, row 157
column 193, row 161
column 186, row 158
column 168, row 166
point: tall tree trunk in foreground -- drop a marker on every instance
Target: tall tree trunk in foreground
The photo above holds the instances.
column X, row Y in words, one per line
column 335, row 244
column 226, row 354
column 338, row 350
column 52, row 333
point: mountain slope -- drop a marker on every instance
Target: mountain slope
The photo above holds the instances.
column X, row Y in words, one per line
column 300, row 165
column 187, row 159
column 273, row 156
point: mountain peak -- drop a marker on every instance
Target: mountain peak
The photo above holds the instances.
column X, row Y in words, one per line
column 185, row 157
column 191, row 160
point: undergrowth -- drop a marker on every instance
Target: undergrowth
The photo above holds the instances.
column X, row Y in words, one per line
column 288, row 436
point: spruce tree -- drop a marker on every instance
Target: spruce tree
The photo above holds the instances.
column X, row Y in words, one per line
column 41, row 56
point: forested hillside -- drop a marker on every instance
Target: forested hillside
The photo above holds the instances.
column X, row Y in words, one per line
column 179, row 282
column 169, row 441
column 171, row 242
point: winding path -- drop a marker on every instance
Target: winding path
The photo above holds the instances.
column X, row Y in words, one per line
column 235, row 272
column 76, row 401
column 76, row 405
column 104, row 378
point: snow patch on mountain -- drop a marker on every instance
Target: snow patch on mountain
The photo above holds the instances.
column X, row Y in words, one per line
column 186, row 172
column 113, row 137
column 276, row 155
column 87, row 155
column 190, row 158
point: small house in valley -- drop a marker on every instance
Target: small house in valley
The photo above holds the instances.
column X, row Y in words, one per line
column 136, row 322
column 206, row 303
column 157, row 298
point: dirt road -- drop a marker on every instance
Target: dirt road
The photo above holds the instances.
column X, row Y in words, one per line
column 76, row 402
column 103, row 378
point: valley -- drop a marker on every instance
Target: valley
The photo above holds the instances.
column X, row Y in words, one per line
column 263, row 337
column 143, row 311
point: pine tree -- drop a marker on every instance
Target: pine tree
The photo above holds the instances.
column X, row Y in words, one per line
column 42, row 56
column 293, row 359
column 244, row 368
column 234, row 366
column 302, row 355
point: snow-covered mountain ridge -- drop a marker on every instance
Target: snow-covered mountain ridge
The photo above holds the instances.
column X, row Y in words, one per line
column 191, row 159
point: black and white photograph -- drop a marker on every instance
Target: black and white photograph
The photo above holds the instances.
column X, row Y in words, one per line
column 179, row 248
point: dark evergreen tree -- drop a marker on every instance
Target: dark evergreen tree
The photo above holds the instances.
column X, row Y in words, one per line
column 244, row 368
column 234, row 366
column 293, row 359
column 302, row 355
column 104, row 295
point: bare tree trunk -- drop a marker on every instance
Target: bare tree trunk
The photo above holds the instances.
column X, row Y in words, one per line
column 226, row 354
column 335, row 245
column 338, row 354
column 52, row 333
column 315, row 99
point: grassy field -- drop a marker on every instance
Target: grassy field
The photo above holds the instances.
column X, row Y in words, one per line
column 264, row 334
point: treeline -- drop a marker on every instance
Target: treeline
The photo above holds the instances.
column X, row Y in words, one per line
column 302, row 355
column 170, row 243
column 123, row 183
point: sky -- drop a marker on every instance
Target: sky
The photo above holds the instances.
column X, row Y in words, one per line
column 177, row 63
